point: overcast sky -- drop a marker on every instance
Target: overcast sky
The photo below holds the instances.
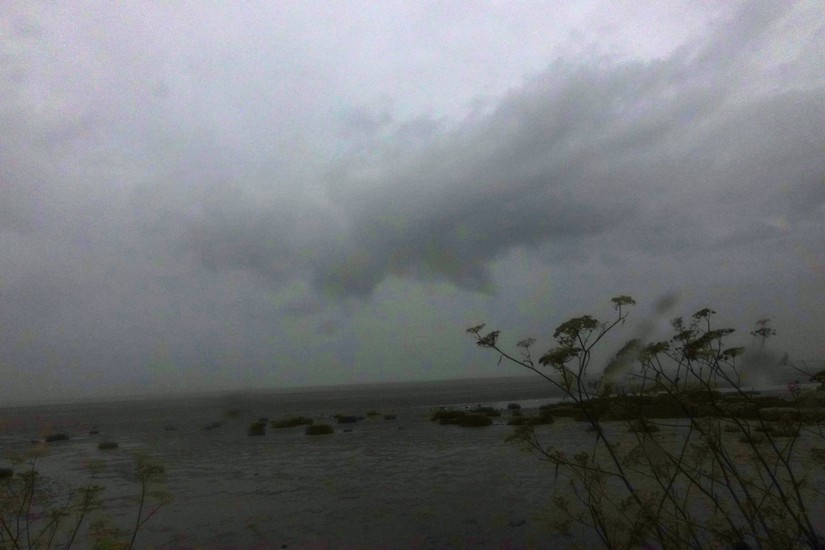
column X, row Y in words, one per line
column 216, row 195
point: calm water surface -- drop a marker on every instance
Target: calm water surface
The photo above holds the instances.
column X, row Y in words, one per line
column 403, row 483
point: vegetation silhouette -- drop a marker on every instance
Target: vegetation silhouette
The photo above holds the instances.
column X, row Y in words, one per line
column 37, row 514
column 682, row 455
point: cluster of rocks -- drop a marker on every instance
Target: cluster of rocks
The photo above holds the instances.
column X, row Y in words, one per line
column 258, row 428
column 480, row 416
column 61, row 437
column 471, row 418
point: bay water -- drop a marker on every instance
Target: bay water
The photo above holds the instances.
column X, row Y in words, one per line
column 389, row 480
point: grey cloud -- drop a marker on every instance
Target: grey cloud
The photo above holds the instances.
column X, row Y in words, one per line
column 246, row 240
column 363, row 121
column 171, row 180
column 665, row 154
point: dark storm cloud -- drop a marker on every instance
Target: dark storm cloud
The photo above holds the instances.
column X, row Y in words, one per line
column 661, row 155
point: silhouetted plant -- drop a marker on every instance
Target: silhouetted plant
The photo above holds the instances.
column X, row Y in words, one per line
column 148, row 473
column 729, row 470
column 37, row 514
column 820, row 379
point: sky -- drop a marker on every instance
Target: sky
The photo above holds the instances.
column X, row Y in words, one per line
column 200, row 196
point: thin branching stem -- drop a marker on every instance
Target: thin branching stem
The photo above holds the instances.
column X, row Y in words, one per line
column 766, row 492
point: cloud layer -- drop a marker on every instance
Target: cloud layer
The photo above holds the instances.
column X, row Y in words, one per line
column 188, row 201
column 685, row 152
